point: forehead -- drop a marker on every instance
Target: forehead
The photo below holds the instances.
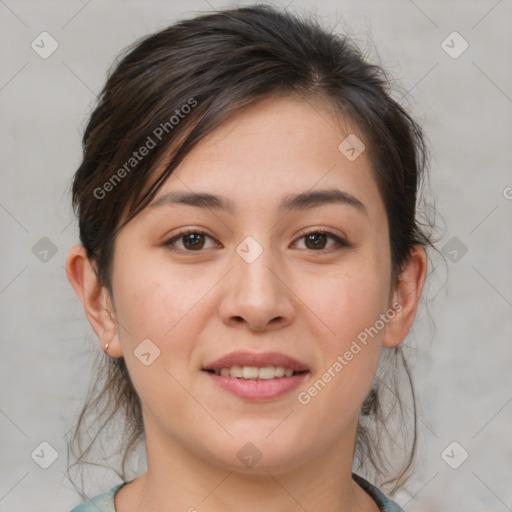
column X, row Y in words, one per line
column 272, row 150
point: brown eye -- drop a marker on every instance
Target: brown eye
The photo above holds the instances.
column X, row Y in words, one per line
column 319, row 240
column 188, row 241
column 316, row 241
column 193, row 241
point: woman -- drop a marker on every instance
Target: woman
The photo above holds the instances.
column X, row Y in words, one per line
column 250, row 258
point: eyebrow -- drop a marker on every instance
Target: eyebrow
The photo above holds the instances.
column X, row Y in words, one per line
column 290, row 202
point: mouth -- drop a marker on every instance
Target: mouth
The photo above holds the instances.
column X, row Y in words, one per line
column 256, row 373
column 257, row 377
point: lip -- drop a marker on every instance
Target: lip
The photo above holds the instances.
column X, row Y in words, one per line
column 252, row 389
column 245, row 358
column 258, row 390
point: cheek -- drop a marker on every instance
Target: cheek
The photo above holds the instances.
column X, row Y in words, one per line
column 166, row 305
column 350, row 307
column 350, row 299
column 160, row 307
column 153, row 298
column 351, row 303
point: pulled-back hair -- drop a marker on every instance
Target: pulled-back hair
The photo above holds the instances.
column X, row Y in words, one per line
column 173, row 88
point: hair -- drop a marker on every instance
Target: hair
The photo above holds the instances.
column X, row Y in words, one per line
column 170, row 90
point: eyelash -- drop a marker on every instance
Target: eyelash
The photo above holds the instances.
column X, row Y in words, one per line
column 341, row 243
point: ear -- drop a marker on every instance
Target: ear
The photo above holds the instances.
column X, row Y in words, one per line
column 95, row 299
column 407, row 294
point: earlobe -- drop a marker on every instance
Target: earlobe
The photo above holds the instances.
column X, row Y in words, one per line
column 408, row 294
column 95, row 299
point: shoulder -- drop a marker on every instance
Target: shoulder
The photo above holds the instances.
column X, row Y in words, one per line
column 103, row 502
column 384, row 503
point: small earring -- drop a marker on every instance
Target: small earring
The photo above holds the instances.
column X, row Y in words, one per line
column 106, row 347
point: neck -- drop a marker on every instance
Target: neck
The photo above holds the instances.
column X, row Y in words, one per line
column 179, row 478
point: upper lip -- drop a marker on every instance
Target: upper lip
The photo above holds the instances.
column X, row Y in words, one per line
column 245, row 358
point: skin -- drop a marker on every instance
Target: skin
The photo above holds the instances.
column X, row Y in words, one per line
column 199, row 305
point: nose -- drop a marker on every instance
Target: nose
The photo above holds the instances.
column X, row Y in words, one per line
column 256, row 295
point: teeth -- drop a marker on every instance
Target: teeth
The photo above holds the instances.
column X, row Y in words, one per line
column 236, row 371
column 254, row 372
column 267, row 372
column 249, row 372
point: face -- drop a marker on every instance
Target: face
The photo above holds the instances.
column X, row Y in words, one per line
column 261, row 280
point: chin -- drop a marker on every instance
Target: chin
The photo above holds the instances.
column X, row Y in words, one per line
column 259, row 453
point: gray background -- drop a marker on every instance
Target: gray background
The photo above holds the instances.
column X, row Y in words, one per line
column 463, row 336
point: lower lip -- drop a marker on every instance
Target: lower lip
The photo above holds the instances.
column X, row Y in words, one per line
column 258, row 390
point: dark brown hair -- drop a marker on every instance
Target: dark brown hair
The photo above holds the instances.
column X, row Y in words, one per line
column 176, row 86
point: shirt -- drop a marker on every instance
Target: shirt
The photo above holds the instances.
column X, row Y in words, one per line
column 105, row 502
